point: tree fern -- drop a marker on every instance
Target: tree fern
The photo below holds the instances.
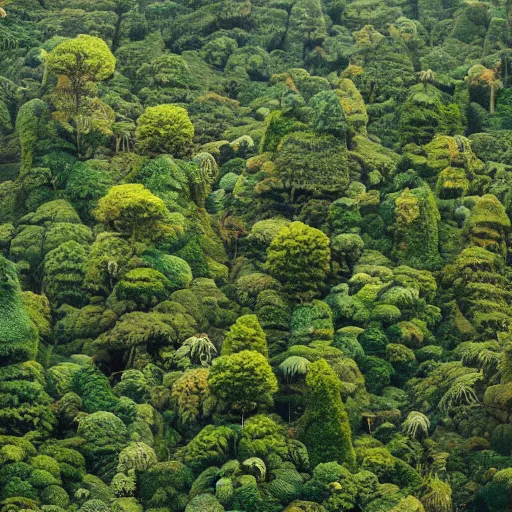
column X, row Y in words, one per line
column 199, row 349
column 461, row 392
column 484, row 355
column 294, row 365
column 439, row 498
column 416, row 423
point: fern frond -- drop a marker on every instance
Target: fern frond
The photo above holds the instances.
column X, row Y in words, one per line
column 415, row 423
column 461, row 392
column 294, row 365
column 439, row 499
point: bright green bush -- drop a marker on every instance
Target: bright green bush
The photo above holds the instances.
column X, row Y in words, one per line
column 164, row 129
column 105, row 436
column 93, row 388
column 245, row 334
column 64, row 272
column 311, row 322
column 243, row 380
column 299, row 257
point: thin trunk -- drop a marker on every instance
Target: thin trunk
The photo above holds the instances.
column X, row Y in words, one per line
column 131, row 358
column 45, row 72
column 77, row 141
column 493, row 94
column 117, row 33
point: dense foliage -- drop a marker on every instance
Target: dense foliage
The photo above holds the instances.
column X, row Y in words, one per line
column 255, row 255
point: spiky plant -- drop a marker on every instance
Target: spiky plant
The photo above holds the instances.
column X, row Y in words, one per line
column 484, row 354
column 294, row 365
column 461, row 392
column 416, row 423
column 439, row 497
column 199, row 349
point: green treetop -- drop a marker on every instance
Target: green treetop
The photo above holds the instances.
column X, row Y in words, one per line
column 245, row 334
column 133, row 210
column 324, row 427
column 82, row 60
column 164, row 129
column 79, row 63
column 299, row 256
column 243, row 381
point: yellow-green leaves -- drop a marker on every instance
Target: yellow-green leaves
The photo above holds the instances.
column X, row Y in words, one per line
column 85, row 58
column 164, row 129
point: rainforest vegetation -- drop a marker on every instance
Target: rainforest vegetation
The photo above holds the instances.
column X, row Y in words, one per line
column 255, row 255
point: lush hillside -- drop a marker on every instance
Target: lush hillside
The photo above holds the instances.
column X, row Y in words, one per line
column 255, row 256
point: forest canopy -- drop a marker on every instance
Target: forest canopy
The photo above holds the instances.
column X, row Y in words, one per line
column 255, row 255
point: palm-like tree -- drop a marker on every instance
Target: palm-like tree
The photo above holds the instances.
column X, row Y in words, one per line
column 479, row 74
column 426, row 77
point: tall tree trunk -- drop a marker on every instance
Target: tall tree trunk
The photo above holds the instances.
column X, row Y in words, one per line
column 493, row 98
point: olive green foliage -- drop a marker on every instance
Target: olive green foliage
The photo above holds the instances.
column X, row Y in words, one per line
column 105, row 435
column 164, row 129
column 324, row 428
column 255, row 382
column 32, row 127
column 255, row 255
column 144, row 286
column 311, row 322
column 133, row 210
column 416, row 235
column 278, row 126
column 18, row 334
column 163, row 482
column 212, row 446
column 64, row 271
column 299, row 257
column 488, row 224
column 176, row 270
column 93, row 388
column 424, row 115
column 329, row 115
column 309, row 162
